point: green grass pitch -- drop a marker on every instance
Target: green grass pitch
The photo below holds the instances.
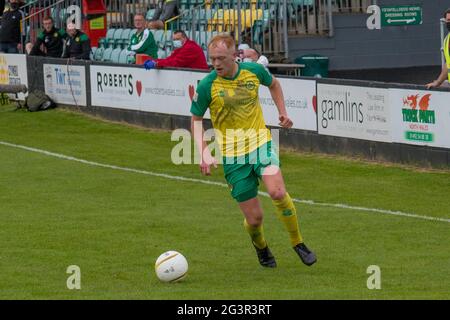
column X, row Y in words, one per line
column 114, row 224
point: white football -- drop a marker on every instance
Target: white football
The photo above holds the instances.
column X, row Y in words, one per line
column 171, row 266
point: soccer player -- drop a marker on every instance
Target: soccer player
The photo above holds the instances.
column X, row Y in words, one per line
column 230, row 92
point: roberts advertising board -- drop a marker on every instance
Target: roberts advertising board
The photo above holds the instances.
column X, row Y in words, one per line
column 421, row 117
column 354, row 112
column 162, row 91
column 172, row 91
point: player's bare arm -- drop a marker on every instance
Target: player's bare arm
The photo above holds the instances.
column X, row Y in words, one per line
column 277, row 95
column 206, row 159
column 442, row 77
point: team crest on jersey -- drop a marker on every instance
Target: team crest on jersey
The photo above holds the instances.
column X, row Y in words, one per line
column 221, row 93
column 77, row 39
column 55, row 34
column 250, row 85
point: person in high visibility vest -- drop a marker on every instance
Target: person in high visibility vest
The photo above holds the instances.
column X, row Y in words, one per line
column 445, row 73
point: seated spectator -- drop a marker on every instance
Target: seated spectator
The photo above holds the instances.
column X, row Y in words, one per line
column 243, row 46
column 142, row 41
column 50, row 41
column 251, row 55
column 11, row 36
column 77, row 44
column 240, row 51
column 187, row 54
column 165, row 9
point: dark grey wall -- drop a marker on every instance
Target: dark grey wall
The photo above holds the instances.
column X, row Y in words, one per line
column 355, row 47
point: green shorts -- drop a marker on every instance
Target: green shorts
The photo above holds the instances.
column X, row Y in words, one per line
column 243, row 173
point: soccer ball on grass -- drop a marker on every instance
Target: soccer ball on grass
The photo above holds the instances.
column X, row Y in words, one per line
column 171, row 266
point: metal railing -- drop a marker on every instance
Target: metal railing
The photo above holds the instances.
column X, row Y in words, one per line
column 351, row 6
column 263, row 24
column 120, row 13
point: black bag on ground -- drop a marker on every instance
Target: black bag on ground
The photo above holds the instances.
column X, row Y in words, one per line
column 38, row 101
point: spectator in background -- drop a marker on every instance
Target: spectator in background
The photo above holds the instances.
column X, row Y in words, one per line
column 243, row 46
column 11, row 35
column 50, row 41
column 187, row 54
column 251, row 55
column 445, row 71
column 77, row 44
column 247, row 54
column 165, row 9
column 142, row 41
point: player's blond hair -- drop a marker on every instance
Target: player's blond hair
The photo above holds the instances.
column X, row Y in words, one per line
column 224, row 38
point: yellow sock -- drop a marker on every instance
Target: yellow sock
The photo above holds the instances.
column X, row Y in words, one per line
column 288, row 215
column 256, row 234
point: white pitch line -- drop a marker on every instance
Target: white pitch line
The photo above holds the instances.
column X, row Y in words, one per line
column 180, row 178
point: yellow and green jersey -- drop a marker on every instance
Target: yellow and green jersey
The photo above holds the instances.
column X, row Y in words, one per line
column 235, row 110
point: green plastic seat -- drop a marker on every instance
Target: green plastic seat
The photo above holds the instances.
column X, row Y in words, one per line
column 92, row 54
column 98, row 55
column 115, row 54
column 123, row 57
column 104, row 42
column 107, row 54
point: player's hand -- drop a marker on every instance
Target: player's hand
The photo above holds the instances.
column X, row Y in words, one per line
column 285, row 122
column 433, row 84
column 149, row 64
column 205, row 166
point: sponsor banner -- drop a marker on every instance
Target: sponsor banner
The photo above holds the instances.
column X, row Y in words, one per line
column 65, row 84
column 171, row 92
column 421, row 117
column 13, row 70
column 163, row 91
column 300, row 102
column 354, row 112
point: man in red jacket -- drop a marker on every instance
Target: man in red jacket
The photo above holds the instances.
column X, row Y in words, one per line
column 187, row 54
